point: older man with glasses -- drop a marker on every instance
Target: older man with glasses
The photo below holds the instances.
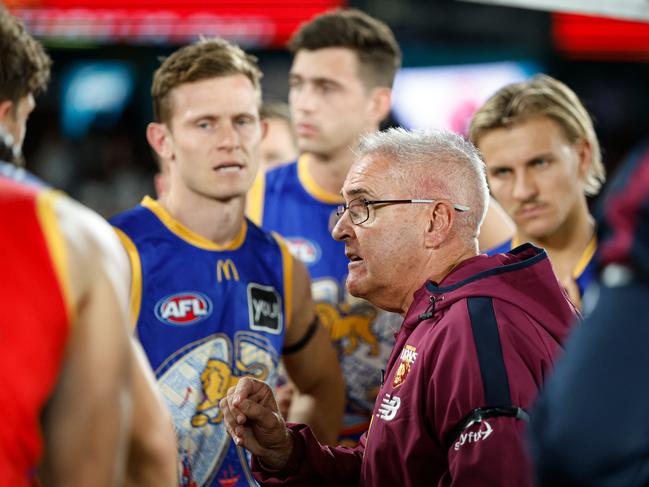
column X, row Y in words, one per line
column 480, row 333
column 359, row 211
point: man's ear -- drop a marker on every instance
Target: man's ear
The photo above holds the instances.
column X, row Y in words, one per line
column 5, row 110
column 441, row 218
column 381, row 101
column 263, row 123
column 158, row 136
column 585, row 153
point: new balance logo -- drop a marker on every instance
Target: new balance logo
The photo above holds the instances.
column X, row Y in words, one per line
column 389, row 407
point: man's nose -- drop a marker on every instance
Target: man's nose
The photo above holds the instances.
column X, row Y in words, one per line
column 228, row 137
column 343, row 229
column 302, row 98
column 525, row 186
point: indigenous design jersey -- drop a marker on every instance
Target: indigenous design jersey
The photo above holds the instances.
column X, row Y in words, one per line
column 207, row 315
column 584, row 272
column 290, row 203
column 35, row 282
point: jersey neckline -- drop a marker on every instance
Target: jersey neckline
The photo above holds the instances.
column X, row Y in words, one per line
column 584, row 260
column 189, row 236
column 312, row 187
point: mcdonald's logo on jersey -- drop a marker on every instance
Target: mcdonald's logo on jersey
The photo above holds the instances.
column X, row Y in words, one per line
column 226, row 269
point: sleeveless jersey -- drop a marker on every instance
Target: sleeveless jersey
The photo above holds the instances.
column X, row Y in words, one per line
column 206, row 315
column 288, row 201
column 34, row 329
column 583, row 273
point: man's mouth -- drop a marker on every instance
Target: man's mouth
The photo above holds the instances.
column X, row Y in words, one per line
column 228, row 167
column 306, row 129
column 353, row 257
column 530, row 210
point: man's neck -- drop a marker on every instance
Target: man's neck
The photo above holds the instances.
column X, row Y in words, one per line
column 575, row 231
column 439, row 264
column 566, row 245
column 330, row 170
column 215, row 220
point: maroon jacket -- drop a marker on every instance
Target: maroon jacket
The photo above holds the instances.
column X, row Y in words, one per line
column 486, row 337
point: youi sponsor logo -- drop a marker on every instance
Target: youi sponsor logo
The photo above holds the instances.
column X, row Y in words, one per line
column 265, row 309
column 184, row 308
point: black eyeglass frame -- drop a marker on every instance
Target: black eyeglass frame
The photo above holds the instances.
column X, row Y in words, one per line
column 340, row 210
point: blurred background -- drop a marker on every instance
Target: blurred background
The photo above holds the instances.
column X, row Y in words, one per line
column 87, row 134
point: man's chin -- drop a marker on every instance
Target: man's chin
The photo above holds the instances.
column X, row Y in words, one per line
column 356, row 290
column 224, row 192
column 313, row 146
column 224, row 196
column 537, row 232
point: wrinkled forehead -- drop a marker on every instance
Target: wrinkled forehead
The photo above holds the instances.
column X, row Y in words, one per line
column 369, row 176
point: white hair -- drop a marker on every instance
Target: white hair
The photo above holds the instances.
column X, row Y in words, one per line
column 435, row 160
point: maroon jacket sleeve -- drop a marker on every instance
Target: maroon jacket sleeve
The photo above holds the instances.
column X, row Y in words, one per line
column 490, row 453
column 314, row 464
column 493, row 451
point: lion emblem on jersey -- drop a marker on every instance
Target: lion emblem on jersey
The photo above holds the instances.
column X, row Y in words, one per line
column 351, row 328
column 216, row 379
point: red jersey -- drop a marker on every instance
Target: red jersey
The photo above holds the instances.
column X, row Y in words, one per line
column 34, row 324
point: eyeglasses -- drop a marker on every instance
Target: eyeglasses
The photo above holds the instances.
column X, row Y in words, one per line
column 359, row 208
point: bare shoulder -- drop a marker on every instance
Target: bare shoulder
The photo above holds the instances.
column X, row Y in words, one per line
column 93, row 248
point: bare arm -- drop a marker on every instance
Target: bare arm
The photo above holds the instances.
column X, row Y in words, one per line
column 152, row 459
column 496, row 228
column 320, row 396
column 86, row 422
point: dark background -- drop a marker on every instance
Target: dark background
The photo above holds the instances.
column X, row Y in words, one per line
column 110, row 167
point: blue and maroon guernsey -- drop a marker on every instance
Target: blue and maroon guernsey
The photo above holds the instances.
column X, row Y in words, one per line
column 206, row 315
column 288, row 201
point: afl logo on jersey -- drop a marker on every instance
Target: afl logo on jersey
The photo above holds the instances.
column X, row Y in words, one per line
column 303, row 249
column 184, row 308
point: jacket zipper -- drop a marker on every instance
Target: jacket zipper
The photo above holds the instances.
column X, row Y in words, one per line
column 430, row 311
